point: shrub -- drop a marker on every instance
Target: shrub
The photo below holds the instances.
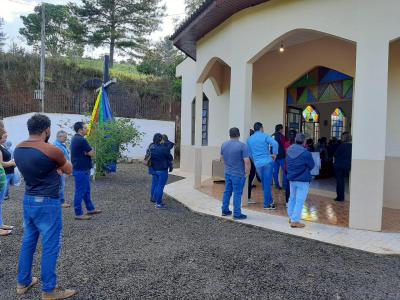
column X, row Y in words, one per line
column 111, row 140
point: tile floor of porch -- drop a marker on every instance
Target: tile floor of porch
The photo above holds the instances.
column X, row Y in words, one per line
column 318, row 209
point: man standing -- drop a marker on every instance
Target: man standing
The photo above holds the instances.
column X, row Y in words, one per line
column 60, row 144
column 279, row 163
column 237, row 165
column 259, row 149
column 342, row 164
column 299, row 165
column 81, row 157
column 41, row 164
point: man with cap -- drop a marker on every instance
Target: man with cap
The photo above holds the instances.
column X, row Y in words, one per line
column 299, row 165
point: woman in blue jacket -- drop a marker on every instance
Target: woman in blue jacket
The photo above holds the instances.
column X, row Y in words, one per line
column 161, row 159
column 299, row 164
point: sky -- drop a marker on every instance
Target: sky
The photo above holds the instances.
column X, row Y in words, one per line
column 11, row 10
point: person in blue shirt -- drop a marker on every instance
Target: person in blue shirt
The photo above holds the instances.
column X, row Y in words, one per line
column 160, row 163
column 299, row 166
column 81, row 158
column 237, row 166
column 259, row 145
column 60, row 144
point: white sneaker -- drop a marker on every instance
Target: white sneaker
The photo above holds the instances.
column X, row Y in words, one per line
column 251, row 201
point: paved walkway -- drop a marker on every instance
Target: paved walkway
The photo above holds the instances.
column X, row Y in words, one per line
column 375, row 242
column 133, row 251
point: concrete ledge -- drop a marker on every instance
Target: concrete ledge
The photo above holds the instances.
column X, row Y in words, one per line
column 369, row 241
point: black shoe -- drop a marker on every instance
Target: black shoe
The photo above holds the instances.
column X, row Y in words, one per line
column 240, row 217
column 226, row 213
column 152, row 200
column 339, row 200
column 270, row 207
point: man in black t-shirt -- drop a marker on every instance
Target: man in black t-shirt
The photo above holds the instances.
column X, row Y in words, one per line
column 41, row 164
column 81, row 158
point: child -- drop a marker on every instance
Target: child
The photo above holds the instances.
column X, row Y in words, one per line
column 169, row 145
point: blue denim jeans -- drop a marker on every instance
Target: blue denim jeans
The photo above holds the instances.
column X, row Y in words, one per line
column 235, row 185
column 62, row 189
column 2, row 195
column 279, row 164
column 298, row 195
column 265, row 173
column 82, row 192
column 10, row 178
column 160, row 179
column 42, row 216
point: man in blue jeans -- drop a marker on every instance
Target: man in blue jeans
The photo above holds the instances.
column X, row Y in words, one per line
column 279, row 163
column 60, row 144
column 81, row 157
column 41, row 165
column 237, row 165
column 260, row 145
column 299, row 165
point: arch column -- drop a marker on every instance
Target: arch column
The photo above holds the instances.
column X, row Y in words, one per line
column 369, row 134
column 240, row 105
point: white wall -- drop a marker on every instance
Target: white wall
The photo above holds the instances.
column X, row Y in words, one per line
column 17, row 130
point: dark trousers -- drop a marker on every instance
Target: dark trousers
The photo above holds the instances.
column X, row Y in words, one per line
column 340, row 174
column 251, row 178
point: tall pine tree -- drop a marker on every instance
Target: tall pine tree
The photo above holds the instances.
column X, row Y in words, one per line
column 120, row 24
column 2, row 34
column 192, row 5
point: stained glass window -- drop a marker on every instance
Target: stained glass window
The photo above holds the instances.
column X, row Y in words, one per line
column 338, row 123
column 310, row 114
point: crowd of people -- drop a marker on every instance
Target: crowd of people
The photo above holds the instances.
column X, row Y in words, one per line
column 44, row 168
column 295, row 157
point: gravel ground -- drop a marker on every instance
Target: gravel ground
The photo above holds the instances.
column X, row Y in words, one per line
column 133, row 251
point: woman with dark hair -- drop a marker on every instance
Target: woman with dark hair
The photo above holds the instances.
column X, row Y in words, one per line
column 4, row 229
column 8, row 163
column 161, row 159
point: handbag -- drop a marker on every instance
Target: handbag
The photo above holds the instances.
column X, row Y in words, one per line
column 3, row 179
column 147, row 157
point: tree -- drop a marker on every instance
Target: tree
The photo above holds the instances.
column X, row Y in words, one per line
column 64, row 32
column 161, row 59
column 2, row 34
column 120, row 24
column 192, row 5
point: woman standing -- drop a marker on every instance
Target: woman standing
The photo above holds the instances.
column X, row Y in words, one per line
column 161, row 159
column 4, row 229
column 8, row 163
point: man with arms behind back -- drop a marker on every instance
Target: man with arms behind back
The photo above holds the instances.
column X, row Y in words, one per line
column 41, row 165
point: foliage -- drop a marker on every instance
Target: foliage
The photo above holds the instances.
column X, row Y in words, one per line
column 192, row 5
column 111, row 140
column 120, row 24
column 64, row 32
column 2, row 34
column 161, row 60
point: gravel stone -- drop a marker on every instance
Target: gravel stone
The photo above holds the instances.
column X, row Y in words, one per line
column 133, row 251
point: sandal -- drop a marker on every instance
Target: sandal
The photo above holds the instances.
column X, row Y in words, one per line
column 5, row 232
column 7, row 227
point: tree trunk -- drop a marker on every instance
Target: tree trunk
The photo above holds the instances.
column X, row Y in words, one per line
column 112, row 46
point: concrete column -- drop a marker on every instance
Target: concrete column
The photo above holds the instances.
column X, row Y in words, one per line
column 369, row 134
column 240, row 98
column 198, row 135
column 240, row 104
